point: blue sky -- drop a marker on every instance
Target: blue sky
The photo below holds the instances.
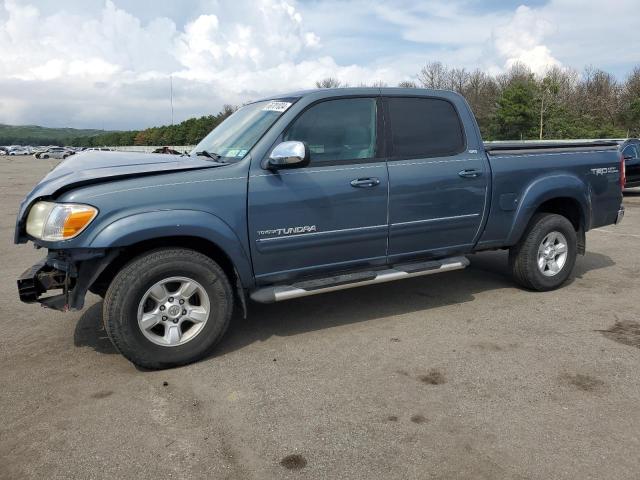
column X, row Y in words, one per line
column 107, row 63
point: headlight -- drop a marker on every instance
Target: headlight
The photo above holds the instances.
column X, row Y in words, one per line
column 58, row 221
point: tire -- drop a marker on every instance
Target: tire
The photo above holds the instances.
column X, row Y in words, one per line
column 45, row 156
column 535, row 273
column 123, row 308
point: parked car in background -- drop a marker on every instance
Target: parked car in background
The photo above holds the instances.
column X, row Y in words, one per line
column 166, row 150
column 55, row 152
column 630, row 149
column 19, row 151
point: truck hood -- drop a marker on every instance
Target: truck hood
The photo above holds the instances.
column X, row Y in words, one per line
column 98, row 166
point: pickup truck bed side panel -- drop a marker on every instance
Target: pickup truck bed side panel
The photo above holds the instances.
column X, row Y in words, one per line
column 521, row 183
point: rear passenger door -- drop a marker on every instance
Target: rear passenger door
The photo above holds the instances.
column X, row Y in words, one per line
column 437, row 187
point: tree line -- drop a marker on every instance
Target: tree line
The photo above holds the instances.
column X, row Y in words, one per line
column 189, row 132
column 513, row 105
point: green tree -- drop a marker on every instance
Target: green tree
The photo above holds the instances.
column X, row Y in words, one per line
column 515, row 116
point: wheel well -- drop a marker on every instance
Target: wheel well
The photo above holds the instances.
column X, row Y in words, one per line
column 570, row 209
column 130, row 252
column 565, row 206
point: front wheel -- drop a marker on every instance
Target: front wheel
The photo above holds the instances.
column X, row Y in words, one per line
column 167, row 308
column 546, row 254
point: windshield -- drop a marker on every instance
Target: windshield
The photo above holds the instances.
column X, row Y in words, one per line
column 233, row 138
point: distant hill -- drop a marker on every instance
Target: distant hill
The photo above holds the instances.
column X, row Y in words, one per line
column 36, row 135
column 188, row 132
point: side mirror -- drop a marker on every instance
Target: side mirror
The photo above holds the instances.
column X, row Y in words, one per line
column 289, row 155
column 628, row 157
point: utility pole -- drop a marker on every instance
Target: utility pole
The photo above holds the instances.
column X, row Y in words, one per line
column 171, row 96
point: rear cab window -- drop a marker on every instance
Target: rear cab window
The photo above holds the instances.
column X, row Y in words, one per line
column 423, row 127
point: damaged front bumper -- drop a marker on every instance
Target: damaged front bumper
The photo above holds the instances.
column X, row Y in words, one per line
column 70, row 272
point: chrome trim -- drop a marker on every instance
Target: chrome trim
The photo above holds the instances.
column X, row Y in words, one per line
column 326, row 232
column 428, row 220
column 288, row 153
column 287, row 292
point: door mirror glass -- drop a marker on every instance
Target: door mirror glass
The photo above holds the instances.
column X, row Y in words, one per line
column 289, row 155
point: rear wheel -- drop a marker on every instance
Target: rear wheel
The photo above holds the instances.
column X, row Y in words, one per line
column 167, row 308
column 546, row 254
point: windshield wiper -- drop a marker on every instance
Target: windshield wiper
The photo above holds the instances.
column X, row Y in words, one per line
column 213, row 156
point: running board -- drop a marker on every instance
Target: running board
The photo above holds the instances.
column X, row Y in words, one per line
column 349, row 280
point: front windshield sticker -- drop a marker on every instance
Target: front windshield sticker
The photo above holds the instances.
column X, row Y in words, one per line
column 235, row 152
column 276, row 106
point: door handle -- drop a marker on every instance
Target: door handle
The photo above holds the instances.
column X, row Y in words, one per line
column 470, row 173
column 365, row 182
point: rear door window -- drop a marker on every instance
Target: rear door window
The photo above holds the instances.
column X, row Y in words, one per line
column 630, row 151
column 424, row 127
column 337, row 130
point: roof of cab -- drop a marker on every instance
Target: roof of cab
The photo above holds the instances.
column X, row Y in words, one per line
column 346, row 91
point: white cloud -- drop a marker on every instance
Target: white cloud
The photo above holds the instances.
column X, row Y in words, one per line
column 521, row 40
column 572, row 33
column 108, row 62
column 234, row 53
column 504, row 38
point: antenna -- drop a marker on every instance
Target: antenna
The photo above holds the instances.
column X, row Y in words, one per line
column 171, row 96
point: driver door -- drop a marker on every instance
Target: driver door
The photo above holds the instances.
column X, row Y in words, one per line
column 332, row 214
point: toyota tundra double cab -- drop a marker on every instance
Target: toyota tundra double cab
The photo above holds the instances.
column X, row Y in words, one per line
column 302, row 194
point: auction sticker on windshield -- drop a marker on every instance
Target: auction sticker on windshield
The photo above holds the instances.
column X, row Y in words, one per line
column 276, row 106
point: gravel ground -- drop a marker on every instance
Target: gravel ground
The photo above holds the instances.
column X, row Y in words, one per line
column 460, row 375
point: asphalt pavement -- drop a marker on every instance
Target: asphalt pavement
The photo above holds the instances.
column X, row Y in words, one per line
column 452, row 376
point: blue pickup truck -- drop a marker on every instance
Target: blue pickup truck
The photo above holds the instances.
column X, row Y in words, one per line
column 298, row 195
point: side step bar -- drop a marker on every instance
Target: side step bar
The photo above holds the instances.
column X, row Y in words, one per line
column 340, row 282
